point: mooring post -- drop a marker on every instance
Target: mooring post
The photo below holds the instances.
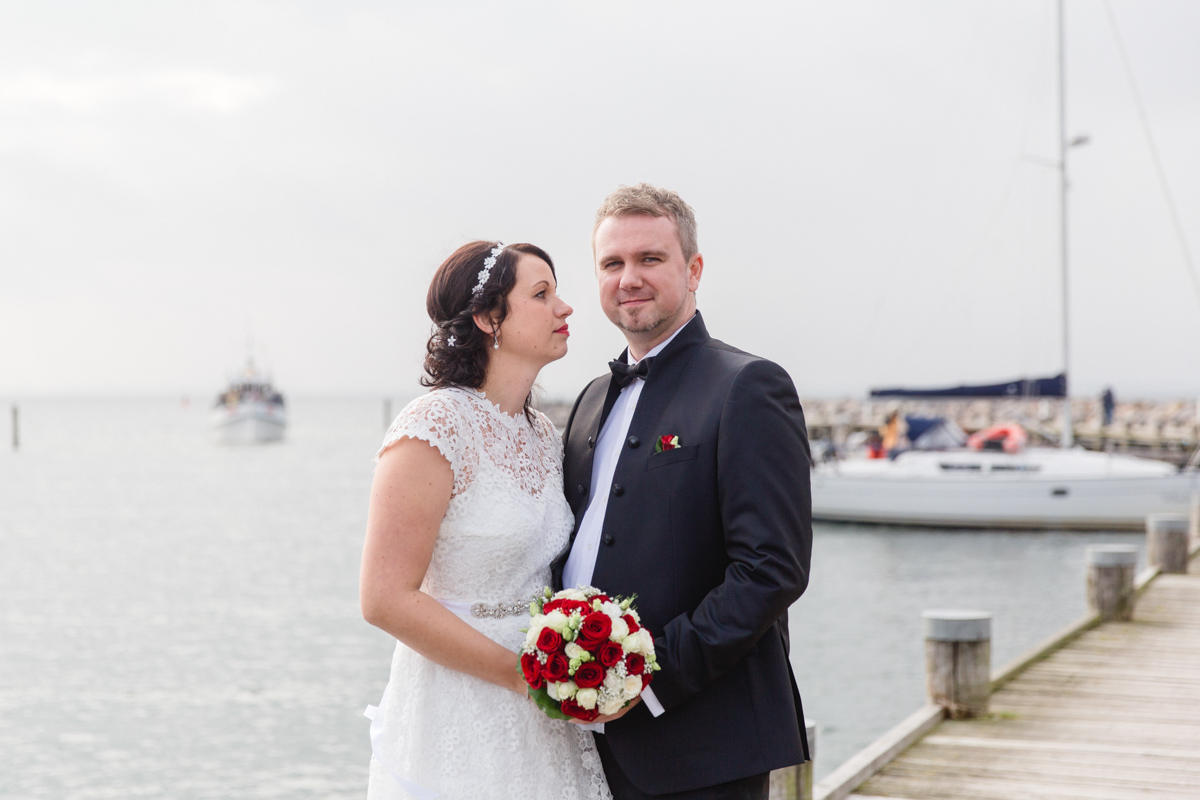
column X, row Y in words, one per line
column 1167, row 542
column 1194, row 521
column 16, row 436
column 1110, row 577
column 958, row 660
column 387, row 413
column 796, row 783
column 806, row 769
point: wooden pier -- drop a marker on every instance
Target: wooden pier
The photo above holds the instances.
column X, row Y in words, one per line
column 1107, row 710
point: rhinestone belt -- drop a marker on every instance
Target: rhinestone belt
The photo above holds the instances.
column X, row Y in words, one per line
column 498, row 610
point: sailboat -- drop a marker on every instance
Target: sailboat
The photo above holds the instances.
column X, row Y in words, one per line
column 1035, row 487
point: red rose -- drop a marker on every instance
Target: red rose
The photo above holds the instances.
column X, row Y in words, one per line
column 635, row 664
column 566, row 606
column 571, row 606
column 646, row 678
column 555, row 668
column 666, row 443
column 596, row 628
column 609, row 654
column 589, row 675
column 573, row 709
column 549, row 640
column 603, row 598
column 631, row 622
column 532, row 670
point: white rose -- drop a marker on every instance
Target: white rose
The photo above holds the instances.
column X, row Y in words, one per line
column 535, row 630
column 552, row 691
column 557, row 621
column 614, row 684
column 612, row 706
column 620, row 630
column 633, row 686
column 647, row 641
column 571, row 594
column 567, row 689
column 636, row 617
column 612, row 609
column 574, row 651
column 632, row 643
column 587, row 698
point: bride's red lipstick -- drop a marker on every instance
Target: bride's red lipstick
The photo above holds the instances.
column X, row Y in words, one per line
column 563, row 330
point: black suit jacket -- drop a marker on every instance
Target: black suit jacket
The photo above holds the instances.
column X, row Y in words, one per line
column 714, row 537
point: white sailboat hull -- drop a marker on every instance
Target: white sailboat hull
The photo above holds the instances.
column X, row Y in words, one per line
column 1035, row 489
column 249, row 423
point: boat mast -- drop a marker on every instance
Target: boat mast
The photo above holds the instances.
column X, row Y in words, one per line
column 1066, row 439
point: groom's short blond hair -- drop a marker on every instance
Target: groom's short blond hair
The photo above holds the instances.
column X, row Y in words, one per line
column 655, row 202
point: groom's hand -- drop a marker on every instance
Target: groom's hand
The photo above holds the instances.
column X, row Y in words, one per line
column 610, row 717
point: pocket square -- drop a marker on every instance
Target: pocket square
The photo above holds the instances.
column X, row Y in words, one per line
column 665, row 443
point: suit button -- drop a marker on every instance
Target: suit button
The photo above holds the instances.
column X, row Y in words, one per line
column 591, row 441
column 633, row 442
column 618, row 489
column 580, row 489
column 608, row 540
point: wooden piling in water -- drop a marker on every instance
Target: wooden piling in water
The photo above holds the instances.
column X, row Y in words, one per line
column 16, row 438
column 1110, row 577
column 958, row 658
column 1167, row 542
column 387, row 413
column 1194, row 522
column 796, row 783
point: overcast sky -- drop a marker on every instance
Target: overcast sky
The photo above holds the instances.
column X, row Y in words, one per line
column 869, row 178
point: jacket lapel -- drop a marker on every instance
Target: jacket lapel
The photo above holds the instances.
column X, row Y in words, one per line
column 664, row 376
column 593, row 409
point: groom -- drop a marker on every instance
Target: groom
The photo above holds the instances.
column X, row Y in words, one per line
column 687, row 468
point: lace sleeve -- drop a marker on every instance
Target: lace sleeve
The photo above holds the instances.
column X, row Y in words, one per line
column 438, row 419
column 551, row 440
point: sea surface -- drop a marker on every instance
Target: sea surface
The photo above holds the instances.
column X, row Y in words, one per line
column 179, row 619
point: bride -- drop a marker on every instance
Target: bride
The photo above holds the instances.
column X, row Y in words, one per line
column 466, row 513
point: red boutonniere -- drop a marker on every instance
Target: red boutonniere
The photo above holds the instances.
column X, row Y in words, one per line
column 665, row 443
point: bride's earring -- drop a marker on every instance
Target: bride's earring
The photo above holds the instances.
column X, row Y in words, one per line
column 495, row 340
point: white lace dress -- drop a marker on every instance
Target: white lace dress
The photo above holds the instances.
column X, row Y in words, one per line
column 438, row 732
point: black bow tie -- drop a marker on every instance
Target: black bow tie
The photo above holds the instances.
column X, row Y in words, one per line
column 624, row 374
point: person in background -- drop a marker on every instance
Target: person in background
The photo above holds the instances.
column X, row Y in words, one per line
column 875, row 445
column 892, row 433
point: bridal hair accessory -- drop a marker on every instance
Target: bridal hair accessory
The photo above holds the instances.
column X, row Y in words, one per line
column 486, row 272
column 450, row 342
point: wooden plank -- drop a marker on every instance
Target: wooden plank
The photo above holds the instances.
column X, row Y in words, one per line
column 846, row 778
column 1060, row 746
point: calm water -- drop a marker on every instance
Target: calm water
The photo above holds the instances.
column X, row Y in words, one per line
column 180, row 619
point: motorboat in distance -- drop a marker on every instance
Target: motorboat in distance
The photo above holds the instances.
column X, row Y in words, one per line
column 1035, row 487
column 249, row 411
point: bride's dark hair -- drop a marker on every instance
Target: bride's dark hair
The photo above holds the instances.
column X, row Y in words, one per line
column 452, row 306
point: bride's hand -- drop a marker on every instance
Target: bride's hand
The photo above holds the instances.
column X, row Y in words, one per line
column 610, row 717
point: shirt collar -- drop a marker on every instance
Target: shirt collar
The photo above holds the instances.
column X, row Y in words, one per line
column 631, row 361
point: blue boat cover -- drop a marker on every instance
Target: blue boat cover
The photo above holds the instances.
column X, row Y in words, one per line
column 1026, row 387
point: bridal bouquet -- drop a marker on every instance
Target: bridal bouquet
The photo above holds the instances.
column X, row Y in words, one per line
column 585, row 654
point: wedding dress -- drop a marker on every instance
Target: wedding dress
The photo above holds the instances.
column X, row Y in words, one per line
column 442, row 733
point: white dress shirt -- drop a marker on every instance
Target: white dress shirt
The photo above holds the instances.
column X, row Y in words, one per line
column 581, row 564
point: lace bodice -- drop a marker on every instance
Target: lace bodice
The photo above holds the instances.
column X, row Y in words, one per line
column 446, row 731
column 507, row 517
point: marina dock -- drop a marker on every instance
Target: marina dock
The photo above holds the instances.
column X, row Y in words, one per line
column 1109, row 709
column 1164, row 430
